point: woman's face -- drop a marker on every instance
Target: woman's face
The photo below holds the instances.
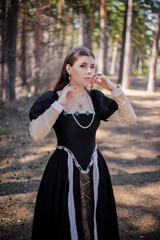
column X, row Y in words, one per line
column 82, row 71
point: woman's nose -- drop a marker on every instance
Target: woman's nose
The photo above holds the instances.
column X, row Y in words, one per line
column 89, row 70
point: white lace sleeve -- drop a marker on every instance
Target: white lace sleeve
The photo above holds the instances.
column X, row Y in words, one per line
column 40, row 127
column 125, row 113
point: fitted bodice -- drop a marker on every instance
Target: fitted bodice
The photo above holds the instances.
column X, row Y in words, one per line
column 69, row 134
column 80, row 141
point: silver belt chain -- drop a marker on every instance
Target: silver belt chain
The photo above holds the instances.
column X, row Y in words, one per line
column 75, row 160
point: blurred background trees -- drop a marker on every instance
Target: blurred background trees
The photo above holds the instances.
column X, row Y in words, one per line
column 36, row 35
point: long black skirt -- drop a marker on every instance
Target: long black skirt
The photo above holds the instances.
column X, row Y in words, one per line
column 51, row 219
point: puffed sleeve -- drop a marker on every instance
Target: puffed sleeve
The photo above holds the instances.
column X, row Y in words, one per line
column 42, row 104
column 43, row 115
column 125, row 113
column 103, row 105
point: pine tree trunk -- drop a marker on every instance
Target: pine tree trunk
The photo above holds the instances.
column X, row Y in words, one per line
column 3, row 43
column 37, row 48
column 152, row 70
column 23, row 44
column 63, row 38
column 81, row 28
column 128, row 46
column 114, row 54
column 90, row 26
column 90, row 32
column 102, row 65
column 58, row 28
column 11, row 37
column 140, row 65
column 123, row 45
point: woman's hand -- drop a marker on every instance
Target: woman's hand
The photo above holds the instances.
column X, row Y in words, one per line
column 66, row 93
column 103, row 81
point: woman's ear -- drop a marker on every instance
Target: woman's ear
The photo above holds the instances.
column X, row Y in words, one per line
column 68, row 67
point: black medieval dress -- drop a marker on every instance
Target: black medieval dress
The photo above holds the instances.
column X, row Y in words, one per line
column 66, row 208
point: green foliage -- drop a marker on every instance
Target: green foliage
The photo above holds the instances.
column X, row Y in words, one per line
column 2, row 131
column 115, row 11
column 145, row 20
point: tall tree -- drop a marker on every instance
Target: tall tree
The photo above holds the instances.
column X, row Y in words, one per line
column 23, row 43
column 90, row 25
column 10, row 53
column 3, row 37
column 58, row 28
column 102, row 65
column 37, row 48
column 114, row 54
column 152, row 70
column 81, row 27
column 123, row 44
column 128, row 45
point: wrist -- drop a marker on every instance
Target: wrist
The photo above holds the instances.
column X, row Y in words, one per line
column 112, row 88
column 58, row 106
column 117, row 92
column 61, row 102
column 110, row 85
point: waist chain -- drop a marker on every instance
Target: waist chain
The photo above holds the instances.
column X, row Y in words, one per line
column 75, row 160
column 71, row 203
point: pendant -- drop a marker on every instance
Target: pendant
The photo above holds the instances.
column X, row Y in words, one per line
column 80, row 106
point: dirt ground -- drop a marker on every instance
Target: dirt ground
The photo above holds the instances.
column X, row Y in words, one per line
column 132, row 154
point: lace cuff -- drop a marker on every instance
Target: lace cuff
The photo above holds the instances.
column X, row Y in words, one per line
column 56, row 105
column 117, row 92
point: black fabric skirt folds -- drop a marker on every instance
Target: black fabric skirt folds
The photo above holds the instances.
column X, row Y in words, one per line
column 51, row 220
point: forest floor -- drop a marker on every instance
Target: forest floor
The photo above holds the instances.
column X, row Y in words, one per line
column 132, row 154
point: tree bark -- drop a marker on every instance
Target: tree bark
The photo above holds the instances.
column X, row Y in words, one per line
column 128, row 46
column 152, row 70
column 23, row 44
column 81, row 28
column 90, row 32
column 114, row 54
column 37, row 48
column 3, row 45
column 58, row 28
column 123, row 45
column 11, row 37
column 102, row 64
column 90, row 26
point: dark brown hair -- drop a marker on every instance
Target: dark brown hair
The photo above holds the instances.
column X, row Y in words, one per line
column 70, row 59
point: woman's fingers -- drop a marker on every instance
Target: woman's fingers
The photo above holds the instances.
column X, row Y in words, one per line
column 97, row 78
column 68, row 90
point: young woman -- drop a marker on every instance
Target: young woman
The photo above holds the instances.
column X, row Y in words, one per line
column 75, row 198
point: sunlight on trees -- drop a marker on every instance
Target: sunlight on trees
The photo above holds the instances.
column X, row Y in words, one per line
column 36, row 35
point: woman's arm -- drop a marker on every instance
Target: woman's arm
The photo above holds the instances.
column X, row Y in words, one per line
column 40, row 127
column 125, row 113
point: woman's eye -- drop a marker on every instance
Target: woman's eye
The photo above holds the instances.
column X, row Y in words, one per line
column 93, row 67
column 83, row 66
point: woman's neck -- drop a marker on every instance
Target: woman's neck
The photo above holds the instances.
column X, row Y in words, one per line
column 79, row 89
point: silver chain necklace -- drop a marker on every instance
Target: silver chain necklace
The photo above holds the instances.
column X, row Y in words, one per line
column 84, row 127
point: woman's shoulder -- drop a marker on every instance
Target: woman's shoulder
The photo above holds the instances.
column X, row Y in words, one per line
column 97, row 95
column 42, row 103
column 104, row 105
column 47, row 96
